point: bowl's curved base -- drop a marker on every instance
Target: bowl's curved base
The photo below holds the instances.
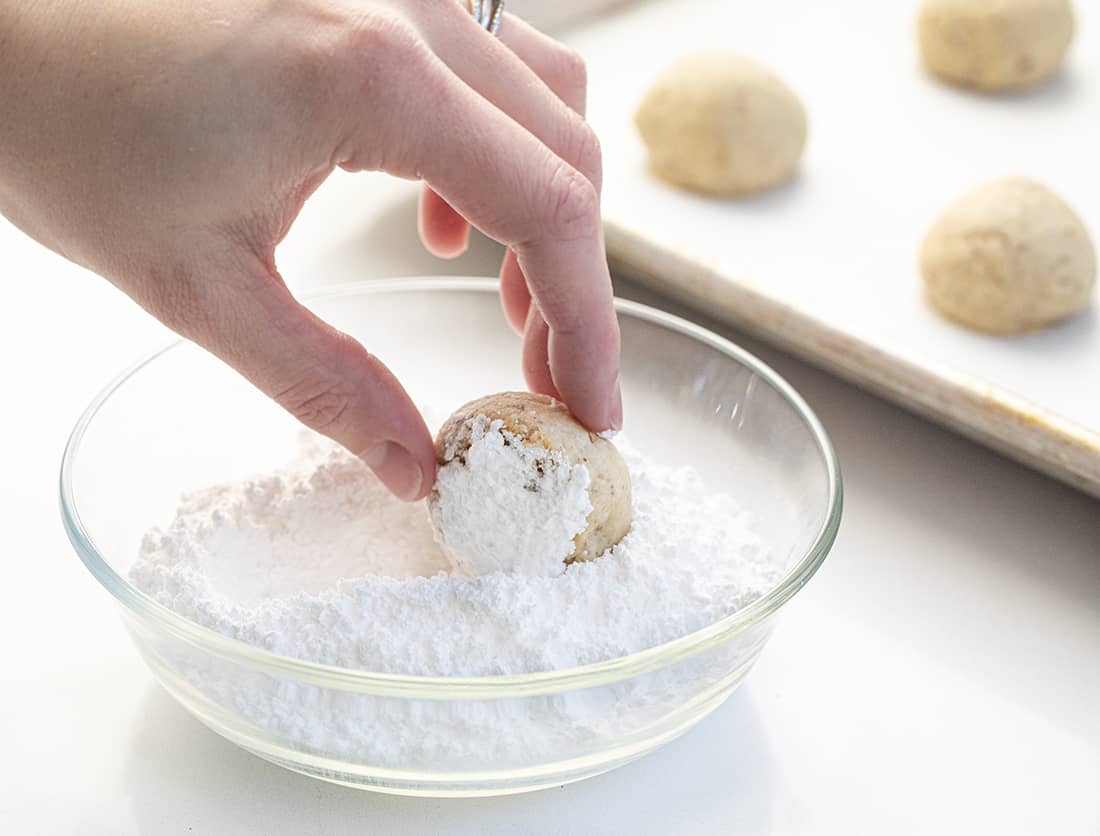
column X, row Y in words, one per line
column 433, row 789
column 473, row 785
column 452, row 784
column 447, row 784
column 444, row 783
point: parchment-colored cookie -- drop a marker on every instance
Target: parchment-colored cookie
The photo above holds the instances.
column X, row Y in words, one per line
column 719, row 123
column 994, row 44
column 1009, row 257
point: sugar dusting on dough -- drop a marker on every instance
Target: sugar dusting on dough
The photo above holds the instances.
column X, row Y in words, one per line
column 503, row 505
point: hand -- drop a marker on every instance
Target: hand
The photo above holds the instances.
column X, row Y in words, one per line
column 169, row 147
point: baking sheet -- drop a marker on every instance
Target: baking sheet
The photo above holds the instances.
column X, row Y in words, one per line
column 826, row 265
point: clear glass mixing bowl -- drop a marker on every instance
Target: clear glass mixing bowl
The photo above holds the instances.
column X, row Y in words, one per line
column 180, row 421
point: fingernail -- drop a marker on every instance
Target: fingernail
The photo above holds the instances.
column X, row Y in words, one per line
column 397, row 469
column 617, row 408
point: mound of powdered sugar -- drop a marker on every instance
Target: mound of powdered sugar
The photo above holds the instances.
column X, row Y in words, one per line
column 319, row 562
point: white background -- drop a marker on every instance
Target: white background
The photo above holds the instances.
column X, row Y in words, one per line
column 940, row 674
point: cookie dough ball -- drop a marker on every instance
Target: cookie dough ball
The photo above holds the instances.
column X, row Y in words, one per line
column 994, row 44
column 720, row 124
column 1009, row 257
column 524, row 487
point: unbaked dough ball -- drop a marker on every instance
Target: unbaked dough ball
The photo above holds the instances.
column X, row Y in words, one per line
column 994, row 44
column 524, row 487
column 718, row 123
column 1009, row 257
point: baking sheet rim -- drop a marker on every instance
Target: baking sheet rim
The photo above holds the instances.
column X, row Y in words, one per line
column 965, row 403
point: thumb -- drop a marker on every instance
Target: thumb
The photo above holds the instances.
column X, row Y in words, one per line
column 322, row 376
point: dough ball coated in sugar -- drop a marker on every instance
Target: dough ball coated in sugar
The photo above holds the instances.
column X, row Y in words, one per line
column 994, row 44
column 1007, row 258
column 719, row 123
column 524, row 487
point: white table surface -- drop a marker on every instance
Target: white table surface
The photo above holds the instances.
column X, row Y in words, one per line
column 940, row 674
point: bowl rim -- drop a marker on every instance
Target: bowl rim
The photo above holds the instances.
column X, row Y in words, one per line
column 148, row 610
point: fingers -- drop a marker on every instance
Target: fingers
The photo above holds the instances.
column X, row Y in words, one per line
column 443, row 231
column 558, row 66
column 564, row 73
column 548, row 213
column 536, row 357
column 515, row 298
column 511, row 82
column 509, row 184
column 323, row 377
column 513, row 85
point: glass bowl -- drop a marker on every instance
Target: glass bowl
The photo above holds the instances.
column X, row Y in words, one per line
column 180, row 420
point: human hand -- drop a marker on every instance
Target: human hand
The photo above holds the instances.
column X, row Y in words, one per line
column 170, row 147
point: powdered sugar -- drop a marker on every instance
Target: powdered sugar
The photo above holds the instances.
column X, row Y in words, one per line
column 319, row 562
column 503, row 505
